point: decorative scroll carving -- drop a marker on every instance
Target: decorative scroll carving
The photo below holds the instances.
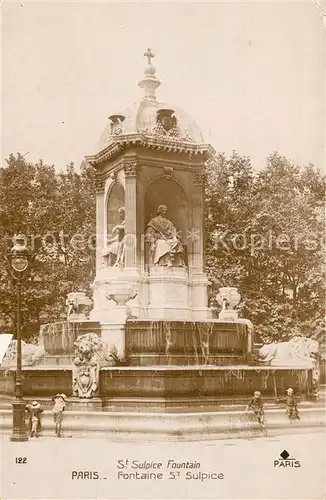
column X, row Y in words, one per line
column 100, row 184
column 187, row 137
column 131, row 168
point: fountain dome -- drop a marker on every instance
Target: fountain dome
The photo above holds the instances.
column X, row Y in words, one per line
column 149, row 117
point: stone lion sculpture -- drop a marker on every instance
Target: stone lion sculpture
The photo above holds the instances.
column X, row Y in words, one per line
column 90, row 354
column 298, row 350
column 85, row 367
column 32, row 354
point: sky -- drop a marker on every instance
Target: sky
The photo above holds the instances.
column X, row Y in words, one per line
column 251, row 74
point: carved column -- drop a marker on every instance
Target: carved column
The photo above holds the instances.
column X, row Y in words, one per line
column 100, row 207
column 199, row 300
column 197, row 231
column 131, row 174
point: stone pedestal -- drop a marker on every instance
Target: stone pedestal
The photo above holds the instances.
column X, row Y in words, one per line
column 228, row 315
column 229, row 298
column 198, row 297
column 113, row 287
column 168, row 293
column 173, row 295
column 111, row 298
column 165, row 293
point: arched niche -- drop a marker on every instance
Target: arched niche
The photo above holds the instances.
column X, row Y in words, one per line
column 167, row 192
column 115, row 200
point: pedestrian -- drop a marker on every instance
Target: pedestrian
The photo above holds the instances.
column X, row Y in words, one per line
column 256, row 404
column 291, row 405
column 34, row 412
column 58, row 409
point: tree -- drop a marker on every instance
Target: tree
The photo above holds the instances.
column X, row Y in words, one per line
column 272, row 247
column 229, row 187
column 56, row 213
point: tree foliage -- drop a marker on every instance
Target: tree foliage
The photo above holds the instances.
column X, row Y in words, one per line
column 56, row 214
column 265, row 236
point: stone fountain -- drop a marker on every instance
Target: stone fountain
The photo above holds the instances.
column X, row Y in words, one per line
column 149, row 342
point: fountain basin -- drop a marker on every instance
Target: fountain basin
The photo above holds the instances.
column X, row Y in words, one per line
column 152, row 342
column 166, row 388
column 58, row 339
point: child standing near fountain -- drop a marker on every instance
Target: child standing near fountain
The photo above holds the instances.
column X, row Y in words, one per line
column 34, row 411
column 257, row 405
column 58, row 409
column 291, row 405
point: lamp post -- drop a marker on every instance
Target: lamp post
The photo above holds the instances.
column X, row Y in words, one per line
column 18, row 258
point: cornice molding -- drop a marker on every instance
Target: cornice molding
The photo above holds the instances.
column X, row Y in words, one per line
column 119, row 144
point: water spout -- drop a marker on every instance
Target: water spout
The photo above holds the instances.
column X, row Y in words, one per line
column 168, row 341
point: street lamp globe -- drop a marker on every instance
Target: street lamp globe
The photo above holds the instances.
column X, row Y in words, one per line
column 19, row 254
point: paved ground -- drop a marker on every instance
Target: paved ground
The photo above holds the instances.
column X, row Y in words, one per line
column 246, row 465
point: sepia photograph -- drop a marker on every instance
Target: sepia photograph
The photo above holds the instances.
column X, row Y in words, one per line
column 162, row 250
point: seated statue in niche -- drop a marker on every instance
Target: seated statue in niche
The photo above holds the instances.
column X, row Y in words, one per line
column 166, row 248
column 113, row 254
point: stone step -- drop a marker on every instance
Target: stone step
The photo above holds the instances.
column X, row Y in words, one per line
column 172, row 405
column 180, row 406
column 174, row 426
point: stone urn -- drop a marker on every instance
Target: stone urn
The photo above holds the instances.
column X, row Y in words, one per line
column 78, row 305
column 120, row 292
column 228, row 297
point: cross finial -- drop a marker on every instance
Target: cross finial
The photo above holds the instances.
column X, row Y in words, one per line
column 149, row 54
column 149, row 83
